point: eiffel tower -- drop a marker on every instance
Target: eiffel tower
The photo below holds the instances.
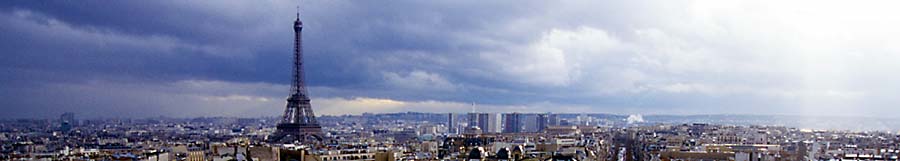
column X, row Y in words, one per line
column 298, row 123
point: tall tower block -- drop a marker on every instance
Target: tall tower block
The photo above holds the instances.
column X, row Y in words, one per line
column 298, row 123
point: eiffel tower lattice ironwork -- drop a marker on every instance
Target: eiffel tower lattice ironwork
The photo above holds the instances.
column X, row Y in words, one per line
column 299, row 122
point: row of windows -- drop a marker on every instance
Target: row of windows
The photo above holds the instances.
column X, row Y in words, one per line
column 354, row 157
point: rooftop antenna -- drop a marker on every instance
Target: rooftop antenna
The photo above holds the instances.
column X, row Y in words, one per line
column 298, row 12
column 473, row 107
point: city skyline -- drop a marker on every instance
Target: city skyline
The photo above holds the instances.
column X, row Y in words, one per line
column 135, row 59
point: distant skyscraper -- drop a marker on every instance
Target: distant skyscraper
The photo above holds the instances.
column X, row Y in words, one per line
column 529, row 122
column 542, row 122
column 299, row 123
column 472, row 119
column 477, row 120
column 512, row 123
column 565, row 123
column 583, row 119
column 553, row 120
column 495, row 123
column 484, row 120
column 487, row 122
column 66, row 121
column 452, row 123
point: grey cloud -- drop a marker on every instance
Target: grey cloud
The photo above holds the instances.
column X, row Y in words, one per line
column 605, row 56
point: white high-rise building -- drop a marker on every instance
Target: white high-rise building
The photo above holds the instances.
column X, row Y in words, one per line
column 494, row 123
column 487, row 122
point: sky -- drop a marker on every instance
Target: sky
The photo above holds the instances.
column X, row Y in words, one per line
column 134, row 59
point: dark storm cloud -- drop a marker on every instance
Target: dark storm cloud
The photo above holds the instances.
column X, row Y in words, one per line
column 349, row 45
column 188, row 58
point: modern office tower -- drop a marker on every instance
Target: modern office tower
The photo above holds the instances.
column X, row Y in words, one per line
column 583, row 119
column 472, row 119
column 553, row 120
column 495, row 123
column 542, row 121
column 453, row 123
column 298, row 123
column 480, row 120
column 512, row 123
column 66, row 121
column 563, row 122
column 529, row 122
column 67, row 117
column 484, row 120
